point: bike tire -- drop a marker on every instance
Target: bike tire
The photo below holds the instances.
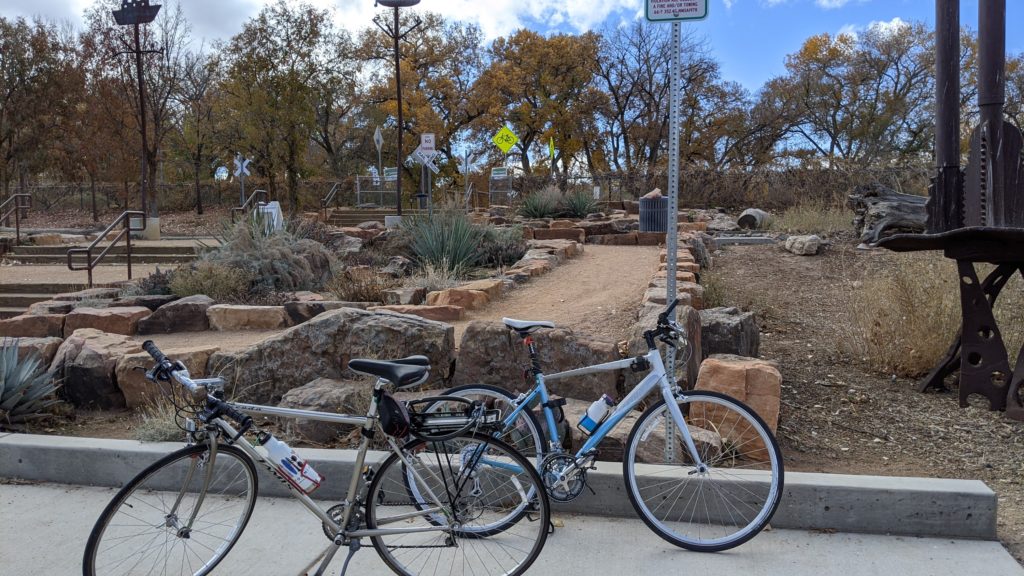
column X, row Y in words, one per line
column 492, row 520
column 744, row 473
column 525, row 434
column 144, row 500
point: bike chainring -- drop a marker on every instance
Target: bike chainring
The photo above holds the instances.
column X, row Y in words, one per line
column 563, row 478
column 335, row 512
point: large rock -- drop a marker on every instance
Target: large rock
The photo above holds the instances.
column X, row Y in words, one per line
column 227, row 317
column 153, row 302
column 89, row 294
column 121, row 320
column 184, row 315
column 299, row 312
column 467, row 299
column 757, row 383
column 625, row 239
column 85, row 362
column 398, row 267
column 492, row 287
column 323, row 346
column 132, row 381
column 33, row 326
column 722, row 223
column 688, row 318
column 50, row 307
column 43, row 348
column 729, row 331
column 803, row 245
column 326, row 395
column 492, row 354
column 437, row 313
column 405, row 296
column 563, row 249
column 576, row 234
column 343, row 244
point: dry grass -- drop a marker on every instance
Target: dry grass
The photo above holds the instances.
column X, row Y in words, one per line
column 902, row 321
column 435, row 278
column 350, row 287
column 813, row 218
column 157, row 423
column 714, row 290
column 222, row 283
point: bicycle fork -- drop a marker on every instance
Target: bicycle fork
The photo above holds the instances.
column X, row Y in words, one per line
column 677, row 416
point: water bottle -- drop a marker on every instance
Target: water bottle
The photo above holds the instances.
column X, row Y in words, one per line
column 596, row 414
column 294, row 469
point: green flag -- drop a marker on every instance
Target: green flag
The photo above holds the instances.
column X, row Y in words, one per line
column 551, row 148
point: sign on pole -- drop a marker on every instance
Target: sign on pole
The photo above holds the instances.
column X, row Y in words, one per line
column 505, row 139
column 427, row 142
column 378, row 139
column 426, row 158
column 391, row 174
column 241, row 171
column 675, row 10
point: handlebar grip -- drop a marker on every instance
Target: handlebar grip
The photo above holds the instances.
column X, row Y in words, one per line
column 671, row 307
column 155, row 352
column 244, row 419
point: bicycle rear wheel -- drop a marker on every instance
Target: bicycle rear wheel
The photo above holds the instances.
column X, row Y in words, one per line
column 474, row 506
column 524, row 433
column 148, row 528
column 711, row 508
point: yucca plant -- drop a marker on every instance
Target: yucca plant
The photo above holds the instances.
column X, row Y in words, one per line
column 543, row 204
column 447, row 240
column 26, row 389
column 578, row 204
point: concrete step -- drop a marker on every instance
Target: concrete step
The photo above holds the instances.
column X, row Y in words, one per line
column 10, row 312
column 16, row 300
column 44, row 289
column 119, row 249
column 108, row 259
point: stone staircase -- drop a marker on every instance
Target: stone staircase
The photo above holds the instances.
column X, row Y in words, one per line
column 16, row 298
column 344, row 217
column 141, row 254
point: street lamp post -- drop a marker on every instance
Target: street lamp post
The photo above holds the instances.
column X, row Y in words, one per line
column 134, row 13
column 395, row 33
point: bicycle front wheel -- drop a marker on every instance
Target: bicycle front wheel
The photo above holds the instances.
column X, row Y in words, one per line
column 718, row 505
column 468, row 505
column 181, row 515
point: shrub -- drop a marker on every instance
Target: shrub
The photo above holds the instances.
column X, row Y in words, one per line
column 275, row 261
column 156, row 284
column 434, row 278
column 353, row 287
column 578, row 204
column 542, row 204
column 714, row 290
column 222, row 283
column 158, row 422
column 447, row 240
column 501, row 247
column 813, row 218
column 27, row 390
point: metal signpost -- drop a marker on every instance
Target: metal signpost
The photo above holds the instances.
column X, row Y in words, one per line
column 241, row 171
column 378, row 140
column 424, row 155
column 673, row 11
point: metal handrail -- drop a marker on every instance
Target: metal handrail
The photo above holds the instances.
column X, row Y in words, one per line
column 251, row 203
column 330, row 197
column 17, row 208
column 125, row 219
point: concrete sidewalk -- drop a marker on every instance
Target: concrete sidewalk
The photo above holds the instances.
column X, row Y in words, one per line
column 43, row 529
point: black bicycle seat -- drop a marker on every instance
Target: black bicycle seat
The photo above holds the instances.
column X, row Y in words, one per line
column 399, row 374
column 526, row 326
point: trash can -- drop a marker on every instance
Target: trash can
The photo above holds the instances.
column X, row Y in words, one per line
column 654, row 214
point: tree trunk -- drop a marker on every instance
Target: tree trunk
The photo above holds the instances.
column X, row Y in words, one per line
column 883, row 210
column 92, row 191
column 199, row 194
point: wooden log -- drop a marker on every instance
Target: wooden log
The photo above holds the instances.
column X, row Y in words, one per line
column 881, row 210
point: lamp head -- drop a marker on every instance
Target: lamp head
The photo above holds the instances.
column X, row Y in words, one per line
column 135, row 12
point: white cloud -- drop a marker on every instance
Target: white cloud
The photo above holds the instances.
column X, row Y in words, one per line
column 728, row 4
column 831, row 4
column 888, row 28
column 850, row 29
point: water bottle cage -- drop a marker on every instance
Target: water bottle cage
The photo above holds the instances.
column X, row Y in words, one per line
column 640, row 364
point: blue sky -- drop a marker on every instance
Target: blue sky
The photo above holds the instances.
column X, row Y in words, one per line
column 750, row 38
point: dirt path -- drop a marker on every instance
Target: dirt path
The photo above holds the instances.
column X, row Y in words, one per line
column 599, row 292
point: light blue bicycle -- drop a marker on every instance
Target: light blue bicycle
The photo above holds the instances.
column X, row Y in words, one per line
column 701, row 469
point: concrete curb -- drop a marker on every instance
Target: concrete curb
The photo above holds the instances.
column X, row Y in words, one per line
column 844, row 503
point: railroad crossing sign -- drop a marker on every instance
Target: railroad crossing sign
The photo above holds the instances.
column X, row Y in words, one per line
column 505, row 139
column 241, row 166
column 674, row 10
column 426, row 158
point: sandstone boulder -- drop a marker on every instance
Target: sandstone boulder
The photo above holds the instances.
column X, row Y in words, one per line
column 405, row 296
column 467, row 299
column 722, row 223
column 343, row 244
column 436, row 313
column 226, row 317
column 398, row 267
column 576, row 234
column 650, row 238
column 323, row 346
column 531, row 267
column 50, row 307
column 803, row 245
column 491, row 287
column 153, row 302
column 624, row 239
column 562, row 248
column 33, row 326
column 89, row 294
column 756, row 383
column 562, row 224
column 132, row 381
column 729, row 331
column 598, row 228
column 43, row 348
column 120, row 320
column 491, row 354
column 299, row 312
column 184, row 315
column 85, row 363
column 326, row 395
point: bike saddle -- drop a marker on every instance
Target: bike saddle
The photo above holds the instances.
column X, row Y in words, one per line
column 399, row 374
column 526, row 326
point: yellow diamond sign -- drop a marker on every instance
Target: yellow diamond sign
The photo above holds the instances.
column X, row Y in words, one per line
column 505, row 139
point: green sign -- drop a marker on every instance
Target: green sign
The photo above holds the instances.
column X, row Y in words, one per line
column 505, row 139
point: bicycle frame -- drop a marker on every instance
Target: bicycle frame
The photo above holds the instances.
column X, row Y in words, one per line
column 655, row 379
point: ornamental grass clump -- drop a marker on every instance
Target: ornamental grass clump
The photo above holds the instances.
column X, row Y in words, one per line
column 27, row 390
column 578, row 204
column 542, row 204
column 447, row 240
